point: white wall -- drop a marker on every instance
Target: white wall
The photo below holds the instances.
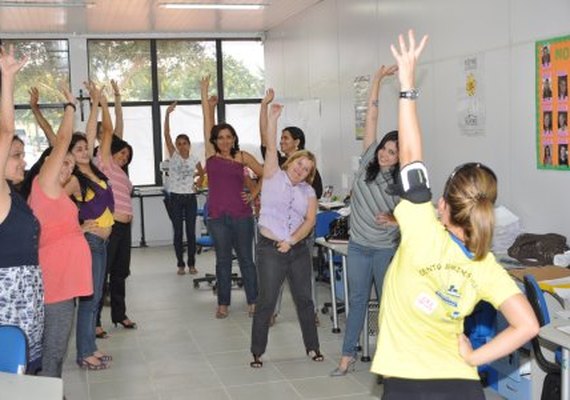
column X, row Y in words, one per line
column 317, row 55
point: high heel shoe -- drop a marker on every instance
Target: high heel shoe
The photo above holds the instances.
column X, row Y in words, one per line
column 126, row 323
column 256, row 363
column 315, row 355
column 342, row 372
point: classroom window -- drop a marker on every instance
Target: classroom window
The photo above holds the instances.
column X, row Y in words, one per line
column 243, row 66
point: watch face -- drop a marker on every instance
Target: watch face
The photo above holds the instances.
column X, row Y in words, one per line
column 410, row 94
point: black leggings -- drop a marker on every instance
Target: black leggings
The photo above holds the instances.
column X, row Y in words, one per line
column 432, row 389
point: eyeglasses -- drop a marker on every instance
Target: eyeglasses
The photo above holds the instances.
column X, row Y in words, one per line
column 464, row 167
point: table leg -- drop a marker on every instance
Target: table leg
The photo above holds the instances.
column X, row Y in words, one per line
column 142, row 243
column 565, row 373
column 335, row 329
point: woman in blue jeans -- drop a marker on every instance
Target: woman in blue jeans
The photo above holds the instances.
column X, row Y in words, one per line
column 373, row 232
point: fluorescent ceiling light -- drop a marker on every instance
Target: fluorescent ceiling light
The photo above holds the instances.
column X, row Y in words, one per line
column 46, row 4
column 212, row 6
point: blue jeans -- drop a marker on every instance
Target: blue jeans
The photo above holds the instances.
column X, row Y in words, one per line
column 88, row 305
column 183, row 209
column 237, row 233
column 364, row 266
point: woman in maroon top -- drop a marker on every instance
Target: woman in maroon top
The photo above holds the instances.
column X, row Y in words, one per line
column 230, row 216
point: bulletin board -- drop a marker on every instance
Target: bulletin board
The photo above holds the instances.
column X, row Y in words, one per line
column 552, row 67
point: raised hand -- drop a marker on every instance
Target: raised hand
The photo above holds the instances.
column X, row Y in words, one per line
column 34, row 97
column 275, row 111
column 205, row 83
column 269, row 96
column 115, row 87
column 406, row 57
column 8, row 63
column 212, row 101
column 94, row 91
column 171, row 108
column 384, row 71
column 69, row 97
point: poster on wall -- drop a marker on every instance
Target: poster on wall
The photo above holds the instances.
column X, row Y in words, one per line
column 471, row 97
column 361, row 86
column 552, row 66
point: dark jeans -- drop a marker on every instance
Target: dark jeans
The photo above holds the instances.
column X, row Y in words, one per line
column 236, row 233
column 272, row 268
column 118, row 269
column 183, row 208
column 432, row 389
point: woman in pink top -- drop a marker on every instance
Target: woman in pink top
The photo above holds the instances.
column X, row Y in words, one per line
column 230, row 215
column 65, row 258
column 288, row 214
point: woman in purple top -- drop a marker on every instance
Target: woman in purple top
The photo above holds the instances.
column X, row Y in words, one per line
column 288, row 214
column 230, row 216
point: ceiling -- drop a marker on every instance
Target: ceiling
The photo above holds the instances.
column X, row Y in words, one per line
column 141, row 16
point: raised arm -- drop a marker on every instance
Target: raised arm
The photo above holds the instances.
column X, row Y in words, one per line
column 91, row 128
column 167, row 138
column 208, row 110
column 269, row 96
column 371, row 124
column 106, row 132
column 9, row 67
column 409, row 136
column 48, row 177
column 40, row 119
column 119, row 123
column 271, row 159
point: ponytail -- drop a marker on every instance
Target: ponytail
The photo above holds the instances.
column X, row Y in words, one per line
column 481, row 223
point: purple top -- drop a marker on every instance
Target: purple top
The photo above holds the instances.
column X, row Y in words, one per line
column 101, row 201
column 225, row 185
column 283, row 205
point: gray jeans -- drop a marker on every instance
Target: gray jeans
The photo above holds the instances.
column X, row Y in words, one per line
column 57, row 329
column 272, row 269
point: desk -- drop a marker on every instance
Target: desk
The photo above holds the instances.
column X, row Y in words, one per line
column 25, row 387
column 552, row 334
column 141, row 193
column 342, row 249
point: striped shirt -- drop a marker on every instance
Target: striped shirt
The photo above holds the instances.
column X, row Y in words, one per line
column 120, row 185
column 369, row 199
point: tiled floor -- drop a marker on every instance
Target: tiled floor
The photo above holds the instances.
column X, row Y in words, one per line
column 180, row 351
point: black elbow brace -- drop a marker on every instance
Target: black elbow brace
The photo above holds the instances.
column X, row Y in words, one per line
column 412, row 183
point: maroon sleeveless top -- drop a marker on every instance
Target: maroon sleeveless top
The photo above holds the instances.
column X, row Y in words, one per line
column 225, row 185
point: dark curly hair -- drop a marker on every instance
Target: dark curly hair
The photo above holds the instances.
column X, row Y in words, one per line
column 373, row 167
column 216, row 132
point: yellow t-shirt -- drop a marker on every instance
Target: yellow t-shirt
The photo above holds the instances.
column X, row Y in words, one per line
column 430, row 287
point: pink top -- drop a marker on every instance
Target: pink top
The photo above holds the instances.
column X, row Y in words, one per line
column 120, row 185
column 225, row 184
column 65, row 258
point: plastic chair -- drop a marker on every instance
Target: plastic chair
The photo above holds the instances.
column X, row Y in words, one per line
column 13, row 349
column 204, row 242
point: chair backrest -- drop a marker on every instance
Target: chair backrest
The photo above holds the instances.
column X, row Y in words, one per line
column 323, row 222
column 13, row 349
column 537, row 301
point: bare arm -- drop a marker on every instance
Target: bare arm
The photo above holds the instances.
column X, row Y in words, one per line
column 9, row 67
column 304, row 230
column 119, row 123
column 91, row 128
column 167, row 138
column 271, row 165
column 40, row 119
column 48, row 177
column 201, row 174
column 106, row 132
column 208, row 115
column 371, row 124
column 251, row 162
column 409, row 135
column 523, row 326
column 269, row 96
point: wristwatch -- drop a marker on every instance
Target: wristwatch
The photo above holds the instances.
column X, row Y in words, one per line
column 411, row 94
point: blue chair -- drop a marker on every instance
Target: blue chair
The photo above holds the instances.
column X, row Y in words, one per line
column 323, row 222
column 204, row 242
column 13, row 349
column 536, row 299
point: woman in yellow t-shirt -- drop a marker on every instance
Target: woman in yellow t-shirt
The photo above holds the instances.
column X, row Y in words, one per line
column 440, row 271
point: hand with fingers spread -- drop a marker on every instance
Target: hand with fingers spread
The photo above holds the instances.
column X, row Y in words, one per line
column 406, row 57
column 8, row 62
column 94, row 91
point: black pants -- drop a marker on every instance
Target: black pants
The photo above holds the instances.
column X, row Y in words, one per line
column 432, row 389
column 272, row 269
column 183, row 209
column 118, row 269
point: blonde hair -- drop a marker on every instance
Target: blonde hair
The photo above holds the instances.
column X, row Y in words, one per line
column 300, row 154
column 471, row 192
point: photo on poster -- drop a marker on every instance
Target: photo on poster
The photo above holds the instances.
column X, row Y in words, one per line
column 546, row 89
column 563, row 87
column 547, row 155
column 562, row 121
column 547, row 122
column 545, row 58
column 563, row 155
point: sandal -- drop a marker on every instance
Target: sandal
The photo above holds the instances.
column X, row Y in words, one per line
column 315, row 355
column 88, row 365
column 101, row 334
column 222, row 313
column 256, row 363
column 103, row 357
column 192, row 270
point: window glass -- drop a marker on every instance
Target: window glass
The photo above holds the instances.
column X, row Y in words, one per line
column 186, row 119
column 245, row 120
column 47, row 69
column 34, row 138
column 181, row 64
column 127, row 62
column 243, row 66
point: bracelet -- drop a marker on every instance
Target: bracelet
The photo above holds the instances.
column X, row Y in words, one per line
column 70, row 105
